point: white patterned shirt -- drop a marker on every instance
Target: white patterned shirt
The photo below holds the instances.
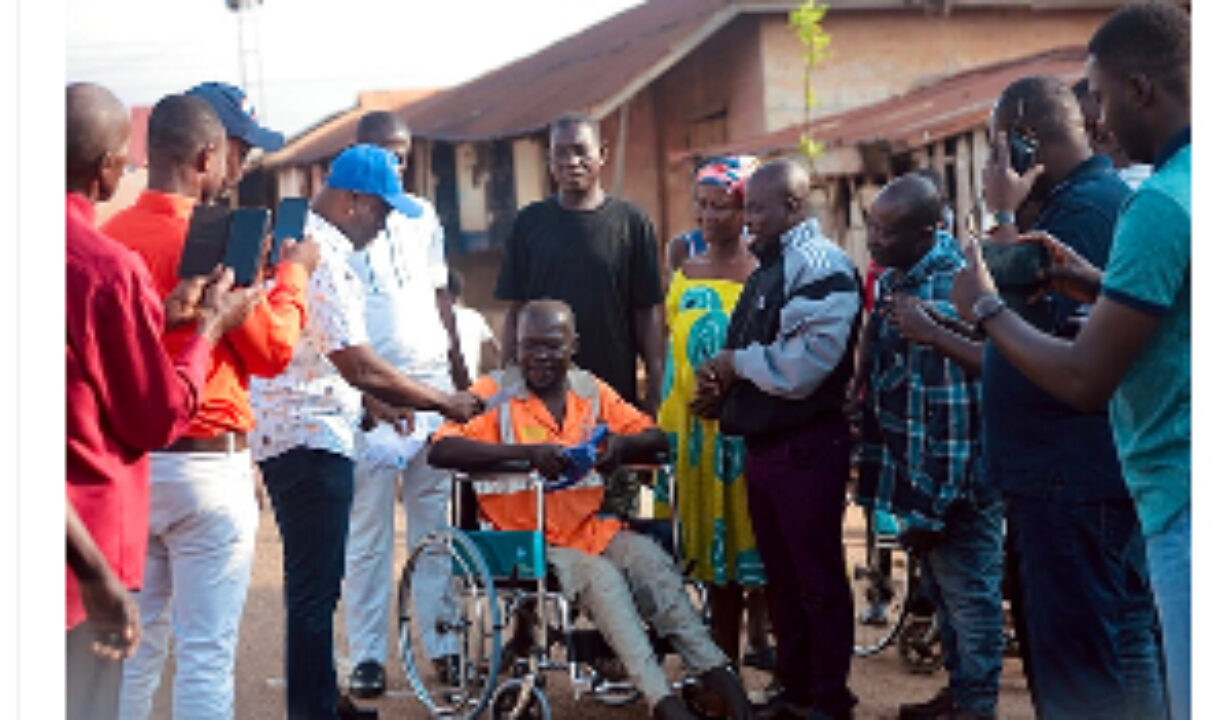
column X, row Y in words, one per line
column 310, row 404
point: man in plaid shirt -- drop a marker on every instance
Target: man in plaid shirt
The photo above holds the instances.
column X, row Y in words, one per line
column 920, row 456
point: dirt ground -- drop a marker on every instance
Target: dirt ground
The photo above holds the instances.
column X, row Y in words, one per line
column 880, row 681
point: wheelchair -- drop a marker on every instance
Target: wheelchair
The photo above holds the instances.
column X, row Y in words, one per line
column 890, row 604
column 499, row 580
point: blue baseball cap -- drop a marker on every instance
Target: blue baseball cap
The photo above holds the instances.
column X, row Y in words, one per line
column 237, row 114
column 374, row 171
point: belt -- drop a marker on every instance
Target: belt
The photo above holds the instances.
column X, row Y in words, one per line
column 224, row 442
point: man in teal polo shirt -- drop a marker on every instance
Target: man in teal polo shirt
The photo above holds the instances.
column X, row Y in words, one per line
column 1134, row 350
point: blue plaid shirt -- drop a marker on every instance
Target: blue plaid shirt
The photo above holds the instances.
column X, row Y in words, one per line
column 920, row 430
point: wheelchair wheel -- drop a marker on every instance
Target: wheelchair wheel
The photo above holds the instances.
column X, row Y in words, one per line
column 509, row 703
column 880, row 575
column 919, row 645
column 447, row 565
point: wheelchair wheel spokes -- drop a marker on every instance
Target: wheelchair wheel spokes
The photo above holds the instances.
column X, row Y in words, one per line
column 879, row 570
column 467, row 630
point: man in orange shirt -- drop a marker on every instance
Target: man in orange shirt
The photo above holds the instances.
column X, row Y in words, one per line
column 203, row 513
column 618, row 575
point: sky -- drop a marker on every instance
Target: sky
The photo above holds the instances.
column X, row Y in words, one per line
column 315, row 55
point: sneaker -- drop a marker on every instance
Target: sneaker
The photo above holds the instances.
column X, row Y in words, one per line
column 940, row 706
column 367, row 680
column 875, row 615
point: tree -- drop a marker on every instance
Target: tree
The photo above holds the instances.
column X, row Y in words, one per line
column 806, row 22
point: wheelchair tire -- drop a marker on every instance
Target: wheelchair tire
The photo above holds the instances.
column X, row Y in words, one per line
column 508, row 696
column 475, row 622
column 880, row 573
column 919, row 645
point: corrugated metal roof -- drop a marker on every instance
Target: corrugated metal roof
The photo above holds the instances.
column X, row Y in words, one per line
column 579, row 73
column 594, row 70
column 327, row 138
column 919, row 117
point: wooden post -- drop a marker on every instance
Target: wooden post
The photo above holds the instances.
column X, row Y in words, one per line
column 979, row 151
column 620, row 149
column 961, row 178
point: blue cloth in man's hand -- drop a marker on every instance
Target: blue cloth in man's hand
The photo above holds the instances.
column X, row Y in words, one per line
column 583, row 456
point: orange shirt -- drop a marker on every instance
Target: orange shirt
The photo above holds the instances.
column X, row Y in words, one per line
column 571, row 514
column 155, row 228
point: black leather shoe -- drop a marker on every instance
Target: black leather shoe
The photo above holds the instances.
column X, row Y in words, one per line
column 367, row 680
column 671, row 708
column 719, row 693
column 345, row 709
column 939, row 706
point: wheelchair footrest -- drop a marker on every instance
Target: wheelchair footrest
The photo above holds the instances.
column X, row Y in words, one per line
column 588, row 645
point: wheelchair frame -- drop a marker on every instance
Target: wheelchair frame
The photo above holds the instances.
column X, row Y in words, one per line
column 522, row 695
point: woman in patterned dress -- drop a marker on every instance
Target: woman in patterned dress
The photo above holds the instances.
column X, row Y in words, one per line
column 708, row 466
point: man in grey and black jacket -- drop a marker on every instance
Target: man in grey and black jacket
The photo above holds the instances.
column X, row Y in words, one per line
column 780, row 383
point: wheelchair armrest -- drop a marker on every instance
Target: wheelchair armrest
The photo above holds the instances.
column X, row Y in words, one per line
column 502, row 467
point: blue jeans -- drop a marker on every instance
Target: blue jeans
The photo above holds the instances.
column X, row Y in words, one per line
column 311, row 492
column 963, row 573
column 1090, row 618
column 1169, row 570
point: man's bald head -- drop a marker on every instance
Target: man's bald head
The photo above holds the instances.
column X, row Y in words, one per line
column 1042, row 106
column 546, row 343
column 915, row 196
column 387, row 130
column 98, row 129
column 784, row 176
column 180, row 129
column 902, row 221
column 547, row 312
column 777, row 199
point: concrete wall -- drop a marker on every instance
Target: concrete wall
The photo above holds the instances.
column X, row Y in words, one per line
column 713, row 95
column 875, row 55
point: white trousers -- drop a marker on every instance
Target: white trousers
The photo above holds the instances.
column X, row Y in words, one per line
column 369, row 582
column 202, row 522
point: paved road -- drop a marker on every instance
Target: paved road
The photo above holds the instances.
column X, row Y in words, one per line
column 880, row 681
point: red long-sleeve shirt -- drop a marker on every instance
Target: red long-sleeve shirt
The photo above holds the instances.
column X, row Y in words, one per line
column 155, row 227
column 125, row 395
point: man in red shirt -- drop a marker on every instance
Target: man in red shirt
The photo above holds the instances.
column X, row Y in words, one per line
column 203, row 514
column 125, row 396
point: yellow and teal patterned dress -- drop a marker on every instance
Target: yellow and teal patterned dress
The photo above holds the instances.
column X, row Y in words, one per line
column 709, row 467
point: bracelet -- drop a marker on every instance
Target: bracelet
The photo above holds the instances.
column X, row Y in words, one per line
column 1004, row 218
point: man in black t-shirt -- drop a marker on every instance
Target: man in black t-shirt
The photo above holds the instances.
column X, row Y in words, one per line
column 599, row 255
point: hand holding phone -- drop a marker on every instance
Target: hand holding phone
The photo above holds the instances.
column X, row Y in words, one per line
column 248, row 229
column 289, row 224
column 206, row 238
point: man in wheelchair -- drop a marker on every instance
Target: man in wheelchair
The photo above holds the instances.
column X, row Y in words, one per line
column 619, row 577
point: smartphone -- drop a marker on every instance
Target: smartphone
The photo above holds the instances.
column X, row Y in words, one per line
column 1015, row 266
column 1021, row 151
column 289, row 223
column 205, row 241
column 248, row 229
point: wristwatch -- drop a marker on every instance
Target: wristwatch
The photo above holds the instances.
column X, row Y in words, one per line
column 1004, row 218
column 985, row 308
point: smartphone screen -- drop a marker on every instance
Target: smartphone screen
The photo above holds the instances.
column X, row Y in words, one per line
column 247, row 230
column 289, row 223
column 205, row 241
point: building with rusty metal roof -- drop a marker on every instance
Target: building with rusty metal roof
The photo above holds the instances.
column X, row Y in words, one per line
column 670, row 79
